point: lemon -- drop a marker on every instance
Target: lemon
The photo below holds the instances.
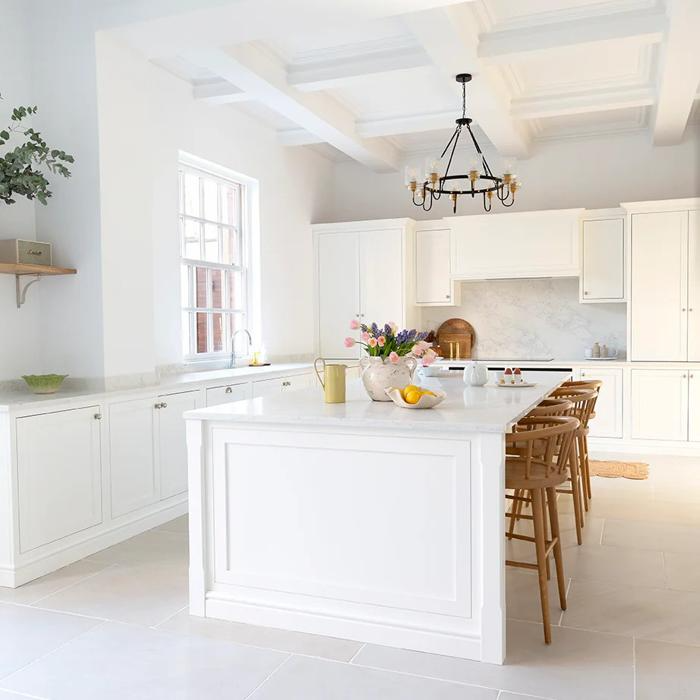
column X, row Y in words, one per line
column 412, row 396
column 427, row 392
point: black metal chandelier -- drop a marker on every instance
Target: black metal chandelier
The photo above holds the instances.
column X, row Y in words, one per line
column 479, row 179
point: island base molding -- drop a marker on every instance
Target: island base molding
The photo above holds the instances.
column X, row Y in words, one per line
column 386, row 537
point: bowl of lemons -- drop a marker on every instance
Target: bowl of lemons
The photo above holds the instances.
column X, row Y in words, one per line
column 414, row 396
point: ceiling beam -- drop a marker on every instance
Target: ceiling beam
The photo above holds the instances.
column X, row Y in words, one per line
column 219, row 92
column 536, row 107
column 679, row 72
column 262, row 76
column 509, row 45
column 325, row 75
column 449, row 37
column 297, row 137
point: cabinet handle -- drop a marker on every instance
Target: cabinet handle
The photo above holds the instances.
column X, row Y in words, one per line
column 691, row 376
column 447, row 296
column 164, row 405
column 286, row 384
column 228, row 390
column 160, row 405
column 682, row 309
column 98, row 416
column 585, row 293
column 683, row 376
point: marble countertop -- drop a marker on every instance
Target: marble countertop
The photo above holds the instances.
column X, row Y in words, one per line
column 491, row 409
column 22, row 396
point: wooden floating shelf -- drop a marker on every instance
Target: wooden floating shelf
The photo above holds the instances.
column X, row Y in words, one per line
column 28, row 269
column 20, row 270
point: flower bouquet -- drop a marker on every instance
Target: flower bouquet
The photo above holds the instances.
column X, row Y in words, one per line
column 391, row 358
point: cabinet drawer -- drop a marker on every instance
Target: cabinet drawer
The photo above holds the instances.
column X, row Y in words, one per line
column 226, row 394
column 59, row 475
column 274, row 387
column 607, row 421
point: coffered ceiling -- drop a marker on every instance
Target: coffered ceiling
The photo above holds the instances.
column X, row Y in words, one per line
column 371, row 81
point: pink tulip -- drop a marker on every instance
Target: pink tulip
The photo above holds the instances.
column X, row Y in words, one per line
column 365, row 336
column 354, row 324
column 349, row 342
column 423, row 344
column 417, row 351
column 394, row 358
column 372, row 342
column 429, row 358
column 381, row 341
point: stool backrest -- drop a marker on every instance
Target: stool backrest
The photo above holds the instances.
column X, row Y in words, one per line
column 543, row 444
column 584, row 401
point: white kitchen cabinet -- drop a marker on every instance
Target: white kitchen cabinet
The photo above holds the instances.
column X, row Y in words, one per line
column 526, row 244
column 362, row 272
column 338, row 291
column 659, row 404
column 59, row 475
column 133, row 476
column 694, row 286
column 602, row 260
column 434, row 286
column 659, row 286
column 216, row 395
column 694, row 404
column 607, row 422
column 274, row 387
column 172, row 448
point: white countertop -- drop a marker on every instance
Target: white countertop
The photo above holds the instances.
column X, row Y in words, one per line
column 489, row 409
column 167, row 383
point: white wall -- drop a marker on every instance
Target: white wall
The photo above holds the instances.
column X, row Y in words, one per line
column 146, row 116
column 19, row 337
column 590, row 172
column 533, row 319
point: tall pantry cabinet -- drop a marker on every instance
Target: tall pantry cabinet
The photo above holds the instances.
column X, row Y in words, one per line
column 362, row 273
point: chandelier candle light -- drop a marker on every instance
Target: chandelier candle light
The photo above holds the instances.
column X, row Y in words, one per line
column 479, row 180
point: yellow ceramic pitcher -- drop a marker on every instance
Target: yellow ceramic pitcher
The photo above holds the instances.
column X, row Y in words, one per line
column 332, row 381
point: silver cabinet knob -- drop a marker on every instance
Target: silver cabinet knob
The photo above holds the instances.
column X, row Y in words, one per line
column 98, row 416
column 585, row 293
column 683, row 309
column 228, row 390
column 683, row 376
column 447, row 296
column 286, row 384
column 164, row 405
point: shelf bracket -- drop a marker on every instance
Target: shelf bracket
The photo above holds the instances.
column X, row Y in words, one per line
column 22, row 291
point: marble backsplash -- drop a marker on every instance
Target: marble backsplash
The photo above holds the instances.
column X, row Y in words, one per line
column 534, row 318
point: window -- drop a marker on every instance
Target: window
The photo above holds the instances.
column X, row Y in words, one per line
column 215, row 259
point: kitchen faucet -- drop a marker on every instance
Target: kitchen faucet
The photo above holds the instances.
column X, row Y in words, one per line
column 233, row 344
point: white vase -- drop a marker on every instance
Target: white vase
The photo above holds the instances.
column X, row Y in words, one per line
column 379, row 374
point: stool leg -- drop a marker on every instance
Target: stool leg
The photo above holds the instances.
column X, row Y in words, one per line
column 541, row 566
column 546, row 530
column 514, row 512
column 576, row 489
column 581, row 445
column 558, row 560
column 587, row 469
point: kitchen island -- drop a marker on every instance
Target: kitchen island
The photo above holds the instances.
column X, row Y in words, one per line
column 360, row 520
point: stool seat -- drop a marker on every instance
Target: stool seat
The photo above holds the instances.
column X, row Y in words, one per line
column 517, row 478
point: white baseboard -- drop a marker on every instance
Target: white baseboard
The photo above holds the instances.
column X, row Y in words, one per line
column 58, row 555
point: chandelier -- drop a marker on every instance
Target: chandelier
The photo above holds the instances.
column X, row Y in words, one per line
column 479, row 179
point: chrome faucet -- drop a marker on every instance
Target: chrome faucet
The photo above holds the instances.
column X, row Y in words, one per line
column 233, row 345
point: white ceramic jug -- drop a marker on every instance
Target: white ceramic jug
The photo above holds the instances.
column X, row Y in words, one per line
column 475, row 374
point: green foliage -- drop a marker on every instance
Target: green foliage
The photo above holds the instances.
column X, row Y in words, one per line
column 22, row 170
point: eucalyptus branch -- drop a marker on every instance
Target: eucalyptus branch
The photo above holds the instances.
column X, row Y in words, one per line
column 22, row 168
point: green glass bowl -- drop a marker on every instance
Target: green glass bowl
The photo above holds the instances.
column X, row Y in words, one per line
column 44, row 383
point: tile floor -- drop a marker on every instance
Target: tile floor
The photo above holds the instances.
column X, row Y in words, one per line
column 115, row 625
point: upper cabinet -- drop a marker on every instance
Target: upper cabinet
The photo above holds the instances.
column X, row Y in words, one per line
column 664, row 284
column 364, row 272
column 603, row 257
column 526, row 244
column 434, row 285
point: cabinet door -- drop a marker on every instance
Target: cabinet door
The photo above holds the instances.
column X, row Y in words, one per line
column 433, row 284
column 603, row 260
column 172, row 447
column 132, row 471
column 694, row 286
column 659, row 294
column 226, row 394
column 59, row 475
column 381, row 276
column 659, row 404
column 694, row 404
column 338, row 292
column 608, row 409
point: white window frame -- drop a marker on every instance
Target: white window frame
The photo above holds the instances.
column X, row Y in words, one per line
column 249, row 256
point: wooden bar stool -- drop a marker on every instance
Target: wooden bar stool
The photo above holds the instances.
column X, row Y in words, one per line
column 537, row 454
column 584, row 400
column 547, row 407
column 594, row 384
